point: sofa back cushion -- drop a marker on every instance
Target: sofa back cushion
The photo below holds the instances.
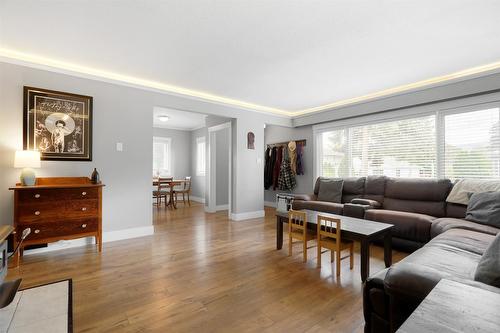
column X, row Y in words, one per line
column 417, row 195
column 353, row 187
column 375, row 188
column 455, row 210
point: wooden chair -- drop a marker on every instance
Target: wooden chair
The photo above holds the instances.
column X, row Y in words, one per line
column 162, row 190
column 186, row 190
column 329, row 236
column 297, row 229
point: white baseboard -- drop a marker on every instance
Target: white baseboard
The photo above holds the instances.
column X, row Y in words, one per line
column 107, row 236
column 247, row 215
column 270, row 204
column 197, row 199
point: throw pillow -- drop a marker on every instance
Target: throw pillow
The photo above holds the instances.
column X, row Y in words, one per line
column 460, row 193
column 330, row 190
column 488, row 269
column 484, row 208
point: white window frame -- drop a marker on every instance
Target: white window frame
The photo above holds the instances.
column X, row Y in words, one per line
column 203, row 162
column 438, row 109
column 168, row 143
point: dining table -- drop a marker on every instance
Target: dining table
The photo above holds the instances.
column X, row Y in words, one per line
column 171, row 183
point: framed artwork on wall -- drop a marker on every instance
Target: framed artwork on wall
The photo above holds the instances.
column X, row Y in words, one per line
column 250, row 140
column 58, row 124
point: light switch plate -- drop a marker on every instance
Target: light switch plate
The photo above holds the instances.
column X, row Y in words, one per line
column 119, row 146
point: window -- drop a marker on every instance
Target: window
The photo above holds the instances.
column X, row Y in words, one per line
column 200, row 156
column 472, row 144
column 451, row 144
column 162, row 155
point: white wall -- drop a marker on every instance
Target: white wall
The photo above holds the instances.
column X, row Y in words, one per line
column 275, row 134
column 222, row 138
column 181, row 150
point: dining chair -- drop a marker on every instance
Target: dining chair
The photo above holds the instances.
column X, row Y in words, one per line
column 185, row 190
column 162, row 190
column 297, row 229
column 329, row 236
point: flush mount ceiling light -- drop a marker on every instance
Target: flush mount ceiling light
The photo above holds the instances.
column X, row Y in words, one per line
column 163, row 118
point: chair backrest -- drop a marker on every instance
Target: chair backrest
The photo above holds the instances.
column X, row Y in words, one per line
column 297, row 220
column 329, row 227
column 164, row 182
column 187, row 183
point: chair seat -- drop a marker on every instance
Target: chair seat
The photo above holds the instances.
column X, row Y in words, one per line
column 328, row 241
column 158, row 193
column 298, row 234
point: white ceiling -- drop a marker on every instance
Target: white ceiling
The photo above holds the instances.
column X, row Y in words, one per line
column 182, row 120
column 283, row 54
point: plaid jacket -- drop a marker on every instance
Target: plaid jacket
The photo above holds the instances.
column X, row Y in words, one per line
column 286, row 179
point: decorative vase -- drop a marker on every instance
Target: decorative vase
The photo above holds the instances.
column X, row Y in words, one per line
column 94, row 178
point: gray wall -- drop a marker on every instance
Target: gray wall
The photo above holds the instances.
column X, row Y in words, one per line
column 120, row 114
column 181, row 150
column 275, row 134
column 222, row 138
column 198, row 182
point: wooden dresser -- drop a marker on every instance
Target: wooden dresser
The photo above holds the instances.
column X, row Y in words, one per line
column 57, row 208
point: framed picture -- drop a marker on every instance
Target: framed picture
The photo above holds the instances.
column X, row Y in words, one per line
column 58, row 124
column 250, row 140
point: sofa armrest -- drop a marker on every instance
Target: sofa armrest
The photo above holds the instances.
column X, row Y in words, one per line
column 305, row 197
column 355, row 210
column 371, row 203
column 376, row 303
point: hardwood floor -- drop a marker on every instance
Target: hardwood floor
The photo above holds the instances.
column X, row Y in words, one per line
column 203, row 273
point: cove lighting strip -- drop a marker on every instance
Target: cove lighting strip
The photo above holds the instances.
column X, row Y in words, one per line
column 70, row 68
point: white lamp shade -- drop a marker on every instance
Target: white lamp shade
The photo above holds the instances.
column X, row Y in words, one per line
column 27, row 159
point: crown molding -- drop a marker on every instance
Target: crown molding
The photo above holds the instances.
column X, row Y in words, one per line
column 35, row 61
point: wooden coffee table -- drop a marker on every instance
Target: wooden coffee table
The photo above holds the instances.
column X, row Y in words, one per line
column 363, row 231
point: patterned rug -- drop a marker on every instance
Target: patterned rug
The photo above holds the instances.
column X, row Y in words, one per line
column 42, row 309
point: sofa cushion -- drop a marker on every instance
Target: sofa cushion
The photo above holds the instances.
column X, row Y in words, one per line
column 453, row 254
column 375, row 188
column 411, row 226
column 446, row 223
column 432, row 208
column 484, row 208
column 330, row 190
column 463, row 188
column 320, row 206
column 455, row 210
column 488, row 269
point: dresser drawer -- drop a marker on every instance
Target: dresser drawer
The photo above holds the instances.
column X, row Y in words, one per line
column 48, row 195
column 41, row 212
column 59, row 229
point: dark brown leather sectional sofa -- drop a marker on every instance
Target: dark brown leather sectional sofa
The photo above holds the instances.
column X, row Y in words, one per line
column 447, row 246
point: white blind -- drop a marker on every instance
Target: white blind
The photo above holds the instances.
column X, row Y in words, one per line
column 401, row 148
column 161, row 157
column 472, row 144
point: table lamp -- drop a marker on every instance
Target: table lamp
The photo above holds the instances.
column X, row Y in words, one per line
column 27, row 159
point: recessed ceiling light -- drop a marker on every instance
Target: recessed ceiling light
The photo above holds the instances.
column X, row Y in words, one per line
column 163, row 118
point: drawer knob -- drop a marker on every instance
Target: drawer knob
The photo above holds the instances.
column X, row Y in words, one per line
column 84, row 225
column 37, row 213
column 84, row 209
column 37, row 231
column 37, row 196
column 84, row 193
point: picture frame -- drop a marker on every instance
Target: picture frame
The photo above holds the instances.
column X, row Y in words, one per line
column 58, row 124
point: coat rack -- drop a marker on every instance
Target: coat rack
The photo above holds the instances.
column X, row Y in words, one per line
column 279, row 144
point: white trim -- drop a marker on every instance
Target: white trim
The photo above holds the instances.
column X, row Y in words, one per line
column 270, row 204
column 209, row 210
column 190, row 129
column 219, row 127
column 197, row 199
column 248, row 215
column 221, row 207
column 201, row 139
column 107, row 236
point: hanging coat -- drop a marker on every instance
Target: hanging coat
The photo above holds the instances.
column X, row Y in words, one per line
column 269, row 170
column 292, row 151
column 286, row 181
column 300, row 165
column 277, row 167
column 266, row 166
